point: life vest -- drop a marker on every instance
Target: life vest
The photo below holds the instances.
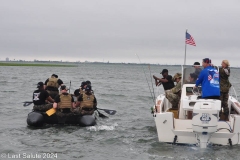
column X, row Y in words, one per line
column 53, row 82
column 88, row 101
column 65, row 101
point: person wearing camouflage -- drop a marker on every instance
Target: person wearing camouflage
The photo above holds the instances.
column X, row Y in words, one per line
column 52, row 84
column 225, row 85
column 174, row 94
column 64, row 103
column 87, row 102
column 39, row 99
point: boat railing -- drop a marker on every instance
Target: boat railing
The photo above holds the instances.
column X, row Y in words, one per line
column 233, row 92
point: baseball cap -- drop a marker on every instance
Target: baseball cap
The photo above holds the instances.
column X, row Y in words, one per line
column 196, row 64
column 54, row 75
column 88, row 82
column 207, row 60
column 177, row 75
column 76, row 92
column 164, row 71
column 40, row 84
column 63, row 87
column 83, row 84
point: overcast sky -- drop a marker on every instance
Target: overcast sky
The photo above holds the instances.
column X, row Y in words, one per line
column 117, row 30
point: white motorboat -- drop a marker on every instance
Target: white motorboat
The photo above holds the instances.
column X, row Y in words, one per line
column 197, row 120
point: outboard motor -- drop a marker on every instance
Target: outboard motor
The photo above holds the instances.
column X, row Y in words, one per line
column 35, row 119
column 205, row 119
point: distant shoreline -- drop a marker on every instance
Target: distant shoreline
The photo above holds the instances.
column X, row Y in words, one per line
column 72, row 64
column 66, row 64
column 36, row 64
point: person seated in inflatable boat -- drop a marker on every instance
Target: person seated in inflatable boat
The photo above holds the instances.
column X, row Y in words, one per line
column 52, row 84
column 89, row 83
column 64, row 103
column 80, row 90
column 87, row 102
column 40, row 97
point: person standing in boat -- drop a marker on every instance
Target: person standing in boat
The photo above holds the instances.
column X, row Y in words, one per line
column 87, row 102
column 174, row 94
column 64, row 103
column 225, row 85
column 52, row 84
column 166, row 81
column 40, row 96
column 209, row 79
column 197, row 66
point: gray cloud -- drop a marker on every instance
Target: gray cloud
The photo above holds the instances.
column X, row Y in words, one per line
column 117, row 30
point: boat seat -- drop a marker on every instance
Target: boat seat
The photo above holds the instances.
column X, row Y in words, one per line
column 174, row 111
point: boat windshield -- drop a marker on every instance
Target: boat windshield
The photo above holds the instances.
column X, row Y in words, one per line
column 190, row 74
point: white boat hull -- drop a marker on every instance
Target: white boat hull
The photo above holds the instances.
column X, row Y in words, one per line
column 196, row 121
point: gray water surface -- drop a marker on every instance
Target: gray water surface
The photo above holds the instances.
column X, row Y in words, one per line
column 130, row 134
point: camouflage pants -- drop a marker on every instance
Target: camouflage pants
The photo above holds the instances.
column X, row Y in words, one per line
column 63, row 114
column 173, row 99
column 167, row 92
column 86, row 112
column 224, row 102
column 83, row 111
column 43, row 107
column 53, row 94
column 77, row 110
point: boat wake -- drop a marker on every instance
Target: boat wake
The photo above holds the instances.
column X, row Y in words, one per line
column 102, row 127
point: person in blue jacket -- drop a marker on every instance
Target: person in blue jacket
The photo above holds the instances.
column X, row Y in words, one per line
column 209, row 79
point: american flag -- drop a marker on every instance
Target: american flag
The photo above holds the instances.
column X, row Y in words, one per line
column 189, row 39
column 209, row 77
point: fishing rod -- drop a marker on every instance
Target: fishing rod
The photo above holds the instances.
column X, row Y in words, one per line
column 151, row 80
column 146, row 80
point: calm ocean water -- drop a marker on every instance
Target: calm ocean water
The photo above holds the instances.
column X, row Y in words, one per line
column 130, row 134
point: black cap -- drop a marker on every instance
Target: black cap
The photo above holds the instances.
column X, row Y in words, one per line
column 207, row 60
column 40, row 84
column 196, row 64
column 164, row 71
column 63, row 87
column 88, row 88
column 83, row 83
column 88, row 82
column 76, row 92
column 54, row 75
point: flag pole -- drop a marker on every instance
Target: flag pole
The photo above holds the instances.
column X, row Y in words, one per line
column 185, row 49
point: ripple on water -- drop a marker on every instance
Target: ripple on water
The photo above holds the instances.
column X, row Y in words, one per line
column 129, row 134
